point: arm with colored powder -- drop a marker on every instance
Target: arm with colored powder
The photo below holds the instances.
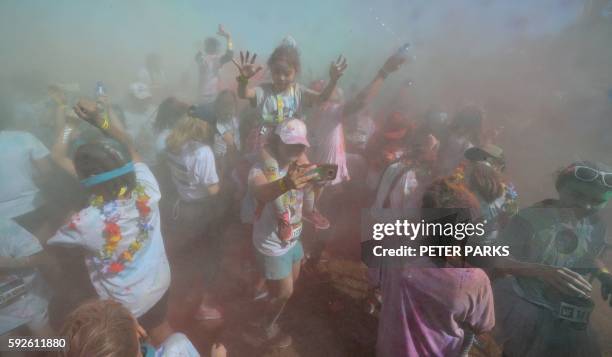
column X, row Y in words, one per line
column 336, row 70
column 266, row 191
column 368, row 94
column 63, row 135
column 247, row 69
column 107, row 122
column 519, row 235
column 229, row 53
column 31, row 261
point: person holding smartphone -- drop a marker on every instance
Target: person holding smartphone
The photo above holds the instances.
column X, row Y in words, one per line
column 278, row 248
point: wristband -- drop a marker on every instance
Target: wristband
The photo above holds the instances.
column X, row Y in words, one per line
column 282, row 185
column 242, row 79
column 66, row 136
column 600, row 273
column 106, row 123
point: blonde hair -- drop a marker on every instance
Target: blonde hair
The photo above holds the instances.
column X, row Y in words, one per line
column 188, row 129
column 100, row 328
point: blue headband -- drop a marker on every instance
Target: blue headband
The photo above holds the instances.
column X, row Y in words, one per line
column 108, row 175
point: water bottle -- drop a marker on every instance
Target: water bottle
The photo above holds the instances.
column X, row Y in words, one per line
column 100, row 90
column 404, row 52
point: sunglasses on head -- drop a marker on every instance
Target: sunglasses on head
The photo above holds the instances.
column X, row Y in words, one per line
column 589, row 174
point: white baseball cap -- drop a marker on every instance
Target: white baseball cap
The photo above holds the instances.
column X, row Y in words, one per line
column 292, row 131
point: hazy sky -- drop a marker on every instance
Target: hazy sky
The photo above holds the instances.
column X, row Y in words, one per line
column 98, row 39
column 506, row 55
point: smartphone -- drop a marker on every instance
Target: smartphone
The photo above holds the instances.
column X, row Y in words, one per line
column 324, row 172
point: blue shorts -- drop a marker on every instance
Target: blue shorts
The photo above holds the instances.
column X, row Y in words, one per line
column 280, row 267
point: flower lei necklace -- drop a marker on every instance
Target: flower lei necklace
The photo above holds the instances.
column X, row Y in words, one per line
column 112, row 231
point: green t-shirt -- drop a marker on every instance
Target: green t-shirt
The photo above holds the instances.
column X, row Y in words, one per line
column 548, row 234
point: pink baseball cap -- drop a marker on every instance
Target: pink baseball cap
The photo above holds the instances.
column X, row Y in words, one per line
column 292, row 131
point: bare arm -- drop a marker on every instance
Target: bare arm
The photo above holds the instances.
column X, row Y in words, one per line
column 327, row 91
column 267, row 191
column 244, row 91
column 32, row 261
column 229, row 53
column 213, row 189
column 563, row 279
column 117, row 132
column 365, row 97
column 59, row 152
column 107, row 122
column 519, row 235
column 336, row 70
column 247, row 70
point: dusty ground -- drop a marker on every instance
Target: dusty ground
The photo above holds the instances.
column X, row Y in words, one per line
column 326, row 316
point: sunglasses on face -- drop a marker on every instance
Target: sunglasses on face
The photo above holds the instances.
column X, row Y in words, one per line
column 588, row 174
column 496, row 164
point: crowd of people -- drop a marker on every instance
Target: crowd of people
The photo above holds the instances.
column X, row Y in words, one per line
column 153, row 175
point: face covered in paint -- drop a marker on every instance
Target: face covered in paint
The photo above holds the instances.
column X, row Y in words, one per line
column 283, row 75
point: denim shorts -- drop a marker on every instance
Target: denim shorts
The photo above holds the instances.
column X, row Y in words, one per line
column 280, row 267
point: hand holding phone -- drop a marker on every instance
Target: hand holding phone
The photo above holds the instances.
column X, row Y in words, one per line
column 297, row 176
column 324, row 172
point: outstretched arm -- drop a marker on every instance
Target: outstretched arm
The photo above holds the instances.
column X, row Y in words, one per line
column 267, row 191
column 64, row 132
column 229, row 52
column 247, row 70
column 108, row 123
column 365, row 96
column 336, row 70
